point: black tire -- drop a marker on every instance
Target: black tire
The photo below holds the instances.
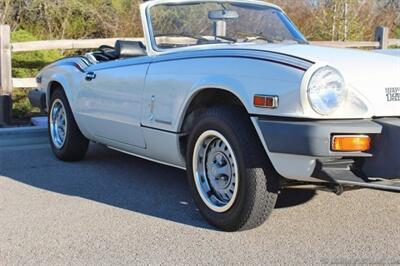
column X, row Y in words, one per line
column 259, row 183
column 75, row 145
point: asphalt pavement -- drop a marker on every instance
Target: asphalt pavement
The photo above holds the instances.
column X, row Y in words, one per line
column 113, row 209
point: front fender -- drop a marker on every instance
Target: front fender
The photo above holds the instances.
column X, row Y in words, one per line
column 224, row 83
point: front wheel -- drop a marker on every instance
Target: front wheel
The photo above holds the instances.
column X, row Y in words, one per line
column 233, row 182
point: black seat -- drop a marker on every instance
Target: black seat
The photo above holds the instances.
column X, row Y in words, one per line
column 129, row 49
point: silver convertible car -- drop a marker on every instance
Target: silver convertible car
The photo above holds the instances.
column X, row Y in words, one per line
column 232, row 92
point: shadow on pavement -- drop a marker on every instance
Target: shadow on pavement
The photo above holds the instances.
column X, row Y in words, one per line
column 119, row 180
column 292, row 197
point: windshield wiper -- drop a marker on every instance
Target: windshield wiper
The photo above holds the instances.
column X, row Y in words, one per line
column 200, row 38
column 300, row 41
column 256, row 36
column 230, row 39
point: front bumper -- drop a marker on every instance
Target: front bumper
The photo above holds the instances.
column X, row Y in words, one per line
column 312, row 139
column 37, row 99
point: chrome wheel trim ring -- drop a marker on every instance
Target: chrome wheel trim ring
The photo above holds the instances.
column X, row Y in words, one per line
column 215, row 171
column 58, row 124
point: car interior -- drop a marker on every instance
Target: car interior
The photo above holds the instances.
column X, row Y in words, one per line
column 121, row 50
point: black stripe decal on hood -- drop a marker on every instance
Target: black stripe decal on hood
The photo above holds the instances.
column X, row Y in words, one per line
column 275, row 57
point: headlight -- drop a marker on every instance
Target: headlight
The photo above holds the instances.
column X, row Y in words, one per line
column 326, row 90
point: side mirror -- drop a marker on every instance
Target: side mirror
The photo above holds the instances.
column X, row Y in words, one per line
column 222, row 14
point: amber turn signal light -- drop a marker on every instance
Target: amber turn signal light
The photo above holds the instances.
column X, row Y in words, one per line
column 348, row 143
column 265, row 101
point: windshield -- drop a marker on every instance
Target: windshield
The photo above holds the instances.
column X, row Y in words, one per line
column 180, row 25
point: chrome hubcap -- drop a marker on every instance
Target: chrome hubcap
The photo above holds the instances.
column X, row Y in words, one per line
column 58, row 124
column 215, row 171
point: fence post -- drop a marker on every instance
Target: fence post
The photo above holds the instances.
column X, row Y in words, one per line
column 5, row 75
column 382, row 36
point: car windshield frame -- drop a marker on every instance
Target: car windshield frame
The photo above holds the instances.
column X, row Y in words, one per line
column 286, row 21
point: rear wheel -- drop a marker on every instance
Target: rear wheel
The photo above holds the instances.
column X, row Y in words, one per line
column 233, row 182
column 66, row 140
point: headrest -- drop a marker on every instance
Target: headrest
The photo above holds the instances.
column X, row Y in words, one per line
column 129, row 49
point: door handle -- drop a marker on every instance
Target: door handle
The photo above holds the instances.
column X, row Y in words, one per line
column 90, row 76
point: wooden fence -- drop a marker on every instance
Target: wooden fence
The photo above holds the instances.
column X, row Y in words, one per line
column 7, row 82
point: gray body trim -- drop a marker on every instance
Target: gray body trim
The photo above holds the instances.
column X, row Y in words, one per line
column 342, row 173
column 313, row 138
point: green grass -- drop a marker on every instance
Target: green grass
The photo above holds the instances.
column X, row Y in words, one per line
column 22, row 108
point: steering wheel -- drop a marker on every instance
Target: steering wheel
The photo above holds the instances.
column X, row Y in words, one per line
column 108, row 51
